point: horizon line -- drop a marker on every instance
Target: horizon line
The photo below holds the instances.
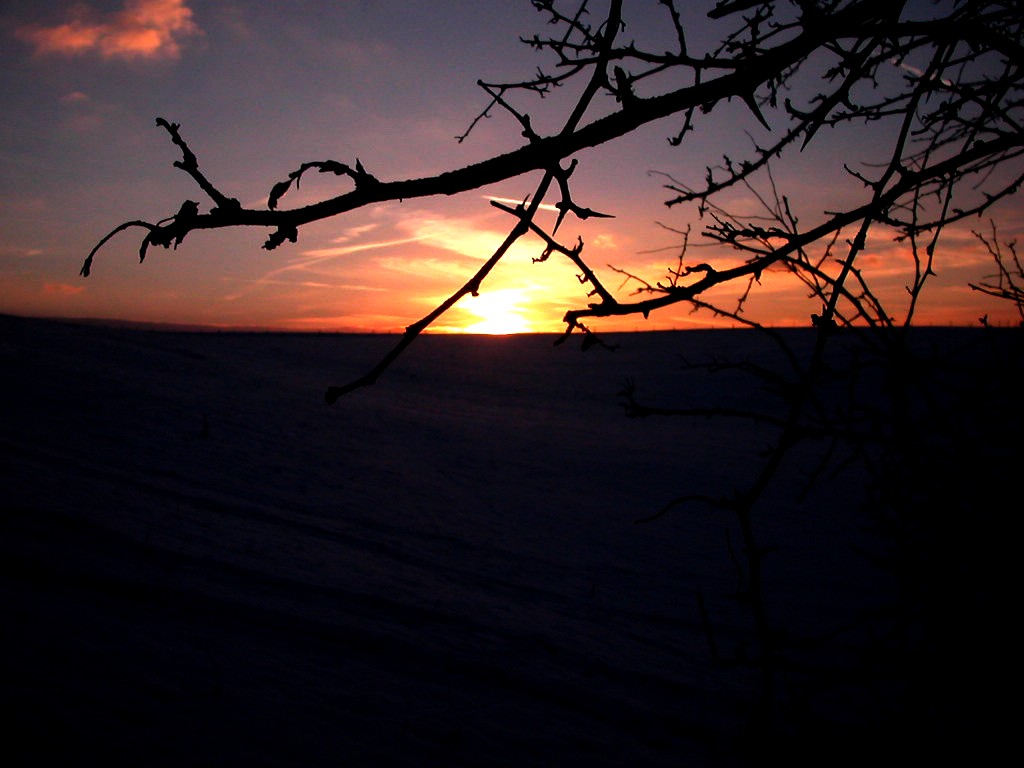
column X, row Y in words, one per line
column 176, row 327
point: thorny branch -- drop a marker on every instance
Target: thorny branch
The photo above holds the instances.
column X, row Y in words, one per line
column 525, row 217
column 1009, row 276
column 943, row 87
column 962, row 110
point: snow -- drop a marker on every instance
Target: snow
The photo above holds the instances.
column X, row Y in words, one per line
column 204, row 564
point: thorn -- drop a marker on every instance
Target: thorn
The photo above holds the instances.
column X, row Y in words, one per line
column 748, row 99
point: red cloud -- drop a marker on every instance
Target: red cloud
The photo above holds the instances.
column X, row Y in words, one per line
column 144, row 29
column 62, row 289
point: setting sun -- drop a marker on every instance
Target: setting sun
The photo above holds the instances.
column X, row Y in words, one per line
column 498, row 312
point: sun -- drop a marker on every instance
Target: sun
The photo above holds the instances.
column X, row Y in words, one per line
column 498, row 312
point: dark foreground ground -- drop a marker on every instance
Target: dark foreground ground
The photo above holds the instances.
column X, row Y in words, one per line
column 203, row 564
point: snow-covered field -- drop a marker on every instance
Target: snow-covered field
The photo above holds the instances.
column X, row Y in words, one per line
column 204, row 564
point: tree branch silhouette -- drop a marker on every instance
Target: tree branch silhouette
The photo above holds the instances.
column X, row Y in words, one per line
column 947, row 83
column 754, row 62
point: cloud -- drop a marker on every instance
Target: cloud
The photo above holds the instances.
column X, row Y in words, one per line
column 82, row 113
column 423, row 267
column 354, row 232
column 62, row 289
column 470, row 238
column 15, row 252
column 143, row 29
column 514, row 202
column 75, row 97
column 317, row 255
column 310, row 259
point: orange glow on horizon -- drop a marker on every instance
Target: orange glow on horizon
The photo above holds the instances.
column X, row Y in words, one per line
column 390, row 272
column 498, row 313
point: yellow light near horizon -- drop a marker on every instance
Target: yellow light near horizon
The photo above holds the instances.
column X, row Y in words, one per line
column 499, row 312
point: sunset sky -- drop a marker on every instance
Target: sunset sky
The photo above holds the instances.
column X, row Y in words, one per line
column 260, row 88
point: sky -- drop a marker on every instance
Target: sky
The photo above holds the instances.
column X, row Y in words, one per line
column 260, row 88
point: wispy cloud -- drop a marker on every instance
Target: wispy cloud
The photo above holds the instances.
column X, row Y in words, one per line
column 19, row 253
column 513, row 202
column 310, row 259
column 418, row 246
column 322, row 254
column 264, row 282
column 143, row 29
column 421, row 267
column 471, row 238
column 81, row 113
column 62, row 289
column 75, row 97
column 353, row 232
